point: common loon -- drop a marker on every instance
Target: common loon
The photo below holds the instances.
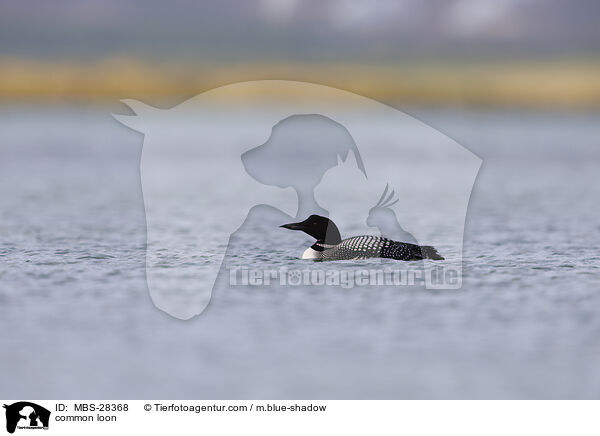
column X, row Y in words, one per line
column 330, row 246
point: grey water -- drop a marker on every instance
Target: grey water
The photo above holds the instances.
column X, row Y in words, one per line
column 76, row 319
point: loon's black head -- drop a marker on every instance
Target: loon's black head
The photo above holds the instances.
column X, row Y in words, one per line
column 319, row 227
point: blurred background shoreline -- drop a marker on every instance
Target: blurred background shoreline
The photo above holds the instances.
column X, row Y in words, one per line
column 557, row 83
column 460, row 53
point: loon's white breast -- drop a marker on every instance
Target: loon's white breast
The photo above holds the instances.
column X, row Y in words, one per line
column 311, row 253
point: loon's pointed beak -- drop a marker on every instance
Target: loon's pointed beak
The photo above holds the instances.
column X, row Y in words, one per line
column 293, row 226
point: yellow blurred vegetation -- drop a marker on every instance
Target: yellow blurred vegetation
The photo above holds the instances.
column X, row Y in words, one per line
column 555, row 83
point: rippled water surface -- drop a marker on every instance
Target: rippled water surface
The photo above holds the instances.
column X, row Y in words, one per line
column 77, row 320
